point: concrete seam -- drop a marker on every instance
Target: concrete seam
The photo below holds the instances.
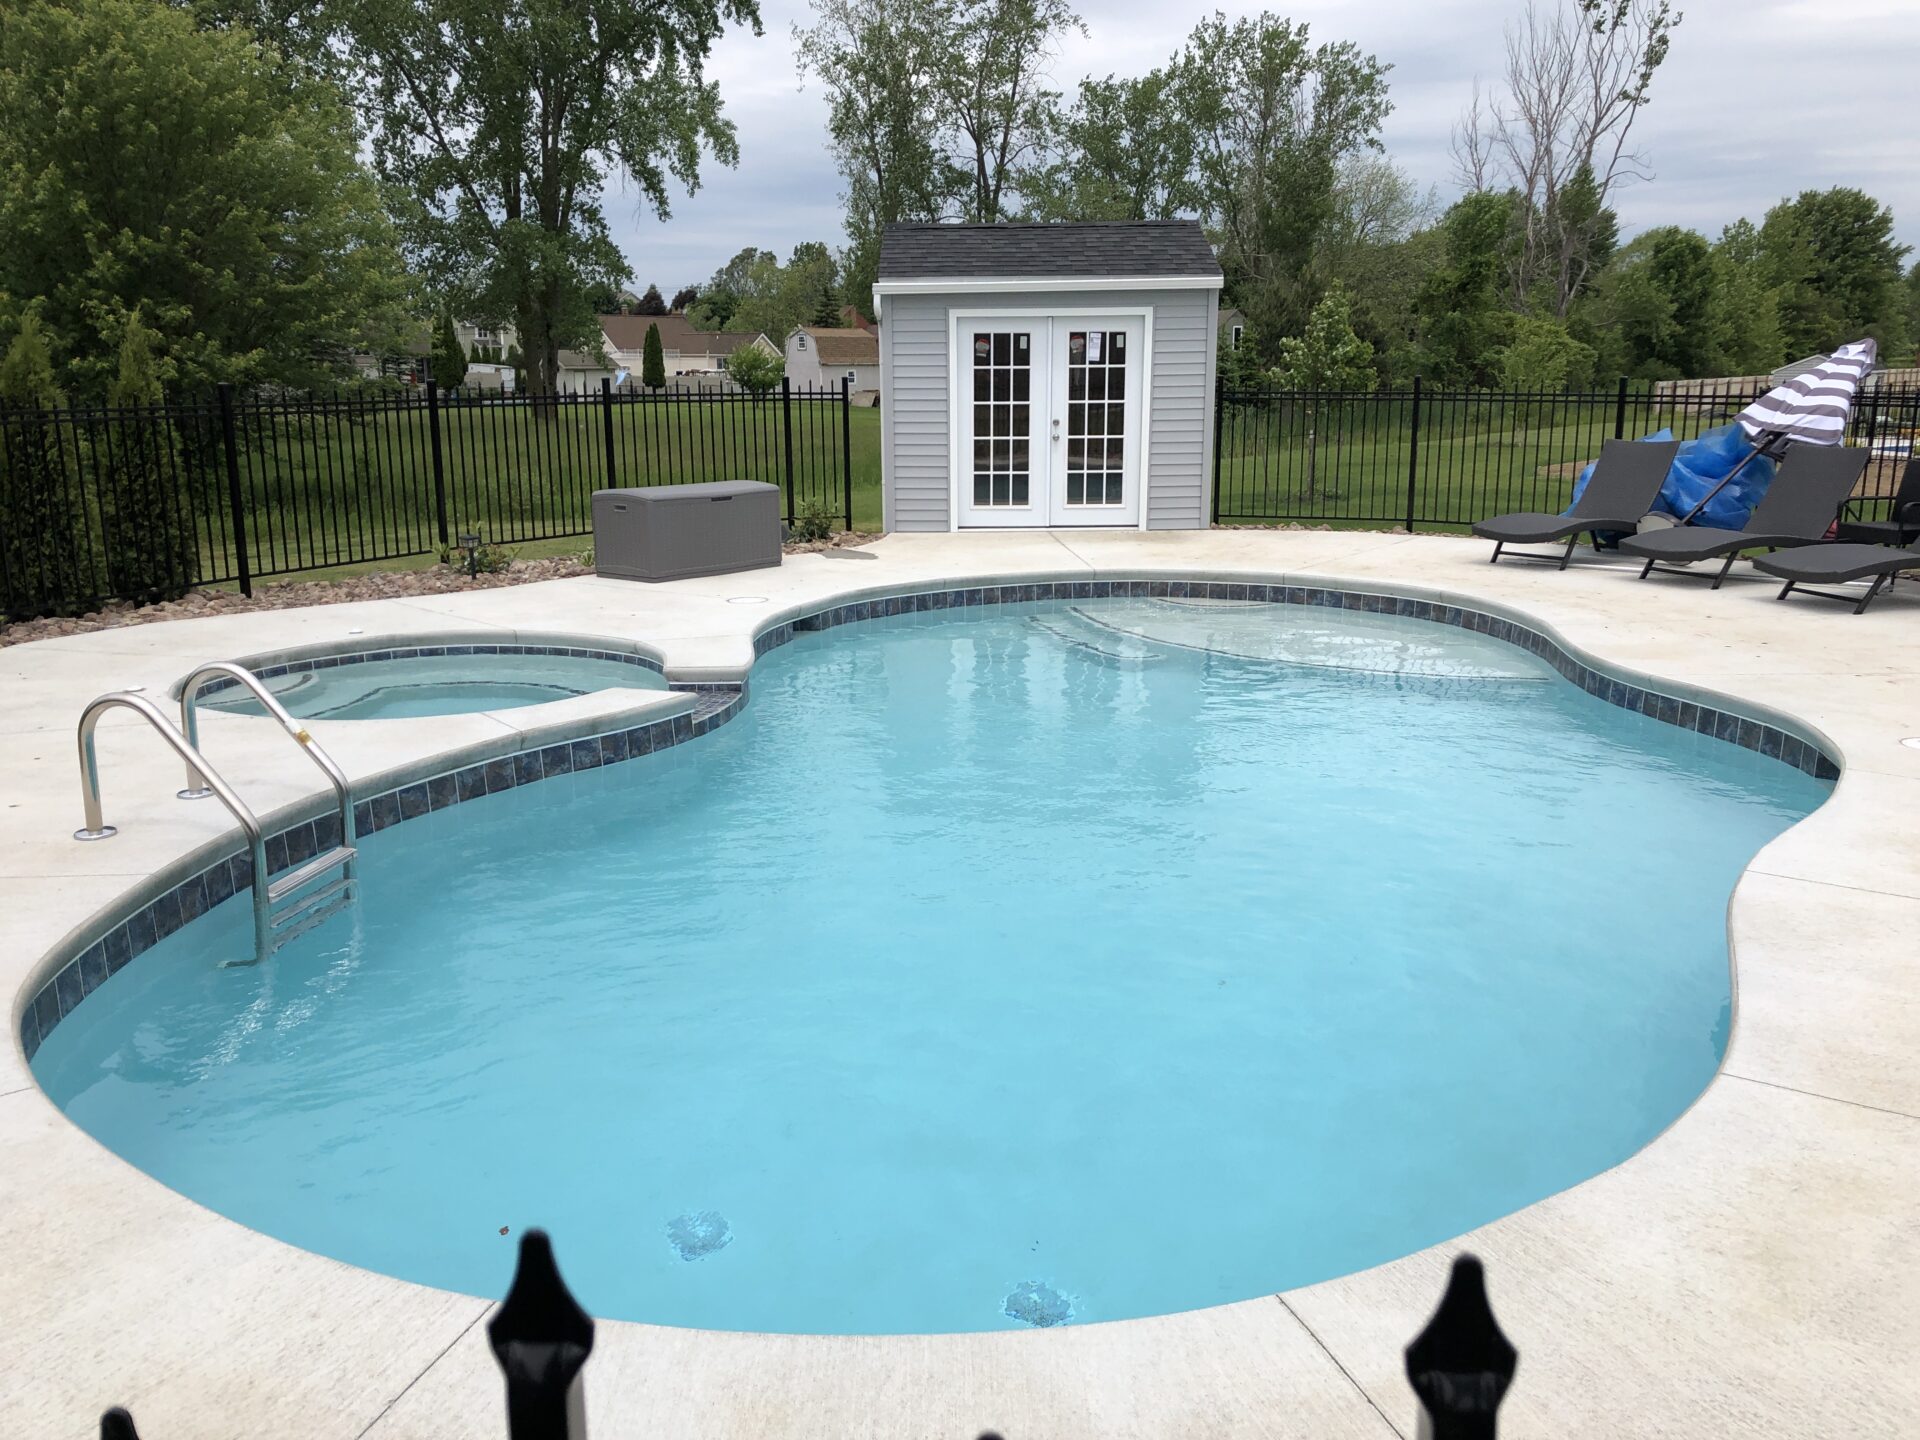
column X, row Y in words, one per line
column 1328, row 1352
column 1819, row 1095
column 387, row 1408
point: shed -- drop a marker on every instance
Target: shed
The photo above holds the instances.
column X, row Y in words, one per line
column 1034, row 376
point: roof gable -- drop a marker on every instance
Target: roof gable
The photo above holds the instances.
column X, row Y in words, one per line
column 629, row 332
column 843, row 346
column 1096, row 250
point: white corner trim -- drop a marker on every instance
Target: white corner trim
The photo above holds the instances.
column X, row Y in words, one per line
column 1026, row 284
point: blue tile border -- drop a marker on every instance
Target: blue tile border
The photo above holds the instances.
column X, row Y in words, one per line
column 714, row 705
column 717, row 702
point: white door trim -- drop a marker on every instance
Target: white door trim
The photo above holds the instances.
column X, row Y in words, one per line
column 955, row 376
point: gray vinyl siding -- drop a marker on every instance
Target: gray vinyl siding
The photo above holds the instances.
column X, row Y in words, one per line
column 916, row 394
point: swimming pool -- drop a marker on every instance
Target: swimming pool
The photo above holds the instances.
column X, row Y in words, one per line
column 1046, row 964
column 439, row 680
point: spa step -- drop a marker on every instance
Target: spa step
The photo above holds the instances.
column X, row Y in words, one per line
column 284, row 885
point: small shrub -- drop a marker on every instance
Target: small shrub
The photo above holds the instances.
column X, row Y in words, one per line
column 756, row 371
column 813, row 521
column 481, row 559
column 153, row 551
column 44, row 551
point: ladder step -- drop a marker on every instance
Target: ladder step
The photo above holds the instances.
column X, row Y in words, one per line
column 302, row 904
column 313, row 869
column 308, row 919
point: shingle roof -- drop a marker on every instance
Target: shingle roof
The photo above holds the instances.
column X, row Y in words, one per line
column 1096, row 250
column 844, row 346
column 629, row 332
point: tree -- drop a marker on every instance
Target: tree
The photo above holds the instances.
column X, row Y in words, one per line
column 153, row 551
column 1462, row 317
column 197, row 177
column 755, row 370
column 1272, row 118
column 1658, row 304
column 1125, row 152
column 448, row 360
column 653, row 361
column 990, row 64
column 1831, row 258
column 1578, row 73
column 47, row 564
column 1543, row 356
column 684, row 297
column 651, row 303
column 1327, row 360
column 502, row 123
column 884, row 119
column 755, row 292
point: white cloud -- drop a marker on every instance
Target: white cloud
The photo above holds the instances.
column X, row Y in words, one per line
column 1760, row 99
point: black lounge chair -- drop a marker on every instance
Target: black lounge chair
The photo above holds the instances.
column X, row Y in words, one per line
column 1624, row 485
column 1812, row 565
column 1798, row 509
column 1902, row 525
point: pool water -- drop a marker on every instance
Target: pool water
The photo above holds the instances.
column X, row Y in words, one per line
column 422, row 685
column 1036, row 965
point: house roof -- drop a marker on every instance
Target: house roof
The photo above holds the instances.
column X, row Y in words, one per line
column 1094, row 250
column 580, row 360
column 629, row 332
column 837, row 346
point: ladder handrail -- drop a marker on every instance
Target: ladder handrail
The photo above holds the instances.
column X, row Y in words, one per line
column 98, row 829
column 190, row 727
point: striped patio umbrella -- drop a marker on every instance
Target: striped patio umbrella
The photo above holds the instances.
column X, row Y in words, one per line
column 1811, row 408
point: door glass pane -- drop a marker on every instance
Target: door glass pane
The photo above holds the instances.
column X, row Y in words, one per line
column 1096, row 420
column 1002, row 416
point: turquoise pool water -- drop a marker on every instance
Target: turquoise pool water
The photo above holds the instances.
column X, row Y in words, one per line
column 438, row 685
column 1034, row 965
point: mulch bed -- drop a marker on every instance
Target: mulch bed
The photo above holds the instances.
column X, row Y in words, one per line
column 291, row 594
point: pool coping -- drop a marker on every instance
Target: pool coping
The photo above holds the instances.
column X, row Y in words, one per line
column 1327, row 1313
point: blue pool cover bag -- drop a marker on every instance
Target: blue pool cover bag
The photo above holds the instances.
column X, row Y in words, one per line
column 1702, row 463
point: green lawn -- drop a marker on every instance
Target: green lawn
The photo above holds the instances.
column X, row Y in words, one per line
column 355, row 488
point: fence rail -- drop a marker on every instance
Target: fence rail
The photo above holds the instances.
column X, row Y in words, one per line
column 1432, row 458
column 134, row 503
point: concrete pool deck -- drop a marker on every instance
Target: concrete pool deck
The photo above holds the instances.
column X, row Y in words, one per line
column 1756, row 1270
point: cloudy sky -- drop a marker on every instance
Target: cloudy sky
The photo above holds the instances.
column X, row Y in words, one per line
column 1759, row 99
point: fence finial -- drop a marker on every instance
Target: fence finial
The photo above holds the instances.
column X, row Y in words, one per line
column 542, row 1338
column 117, row 1424
column 1461, row 1364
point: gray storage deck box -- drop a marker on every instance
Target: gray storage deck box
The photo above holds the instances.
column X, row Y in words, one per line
column 668, row 532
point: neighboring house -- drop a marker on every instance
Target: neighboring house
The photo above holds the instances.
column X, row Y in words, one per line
column 820, row 357
column 686, row 351
column 1233, row 325
column 472, row 334
column 581, row 373
column 1047, row 375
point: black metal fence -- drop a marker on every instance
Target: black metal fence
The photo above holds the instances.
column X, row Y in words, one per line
column 131, row 503
column 1428, row 458
column 1460, row 1366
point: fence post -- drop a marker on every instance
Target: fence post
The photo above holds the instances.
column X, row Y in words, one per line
column 1461, row 1364
column 439, row 473
column 1219, row 439
column 786, row 427
column 1620, row 412
column 235, row 504
column 1413, row 453
column 846, row 444
column 606, row 424
column 542, row 1339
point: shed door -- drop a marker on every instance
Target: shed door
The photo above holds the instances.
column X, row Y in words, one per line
column 1051, row 420
column 1095, row 425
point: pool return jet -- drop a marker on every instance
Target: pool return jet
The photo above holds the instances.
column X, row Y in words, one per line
column 283, row 905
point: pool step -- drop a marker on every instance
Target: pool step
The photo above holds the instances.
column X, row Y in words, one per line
column 311, row 870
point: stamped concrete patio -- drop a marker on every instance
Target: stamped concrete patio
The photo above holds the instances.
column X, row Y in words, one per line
column 1755, row 1271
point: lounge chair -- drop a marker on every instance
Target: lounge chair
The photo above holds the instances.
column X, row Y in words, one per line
column 1621, row 491
column 1798, row 509
column 1902, row 525
column 1812, row 565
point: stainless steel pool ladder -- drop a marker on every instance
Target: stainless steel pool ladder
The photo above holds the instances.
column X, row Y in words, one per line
column 274, row 924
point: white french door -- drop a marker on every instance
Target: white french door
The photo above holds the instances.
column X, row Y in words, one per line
column 1051, row 419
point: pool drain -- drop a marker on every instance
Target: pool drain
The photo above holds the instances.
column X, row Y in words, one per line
column 1035, row 1303
column 696, row 1236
